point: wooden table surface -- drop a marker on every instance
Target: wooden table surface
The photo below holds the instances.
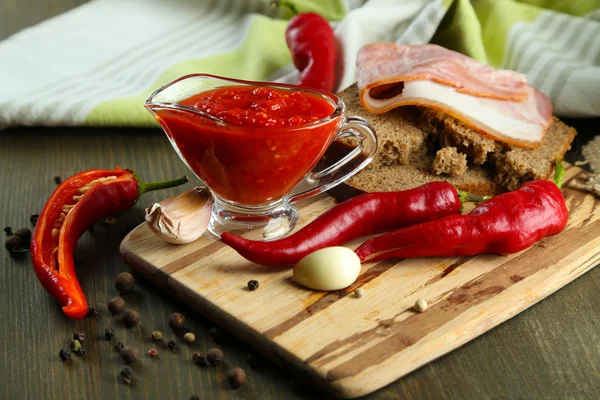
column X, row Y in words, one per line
column 551, row 350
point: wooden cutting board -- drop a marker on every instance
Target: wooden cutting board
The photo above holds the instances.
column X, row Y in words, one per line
column 354, row 346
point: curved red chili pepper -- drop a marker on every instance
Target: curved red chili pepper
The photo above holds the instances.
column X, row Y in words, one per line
column 360, row 216
column 312, row 44
column 505, row 224
column 71, row 209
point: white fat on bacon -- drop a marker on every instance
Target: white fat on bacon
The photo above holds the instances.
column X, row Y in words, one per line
column 497, row 103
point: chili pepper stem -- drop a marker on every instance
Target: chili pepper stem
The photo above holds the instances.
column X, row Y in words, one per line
column 150, row 186
column 470, row 197
column 289, row 5
column 559, row 174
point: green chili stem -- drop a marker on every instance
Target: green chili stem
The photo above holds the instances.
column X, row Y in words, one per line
column 470, row 197
column 559, row 174
column 150, row 186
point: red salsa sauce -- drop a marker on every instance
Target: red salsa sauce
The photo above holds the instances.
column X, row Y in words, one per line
column 268, row 144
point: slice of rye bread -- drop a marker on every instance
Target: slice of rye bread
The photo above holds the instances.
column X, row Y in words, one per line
column 405, row 154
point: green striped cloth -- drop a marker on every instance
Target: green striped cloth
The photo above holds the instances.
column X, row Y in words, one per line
column 96, row 64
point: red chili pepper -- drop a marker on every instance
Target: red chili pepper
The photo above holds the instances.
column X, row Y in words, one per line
column 312, row 43
column 506, row 224
column 360, row 216
column 73, row 207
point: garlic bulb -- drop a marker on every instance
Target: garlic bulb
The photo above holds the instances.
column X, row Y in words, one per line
column 183, row 218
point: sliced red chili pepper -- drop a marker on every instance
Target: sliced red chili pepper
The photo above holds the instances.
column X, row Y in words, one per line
column 506, row 224
column 74, row 206
column 360, row 216
column 312, row 44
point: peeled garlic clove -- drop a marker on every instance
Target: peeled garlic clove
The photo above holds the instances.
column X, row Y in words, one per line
column 183, row 218
column 330, row 268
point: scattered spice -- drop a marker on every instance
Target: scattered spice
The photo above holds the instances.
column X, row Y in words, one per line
column 172, row 345
column 109, row 333
column 194, row 397
column 252, row 285
column 214, row 356
column 131, row 317
column 109, row 220
column 236, row 377
column 189, row 337
column 93, row 311
column 124, row 283
column 33, row 219
column 118, row 347
column 57, row 180
column 157, row 336
column 176, row 321
column 420, row 305
column 152, row 352
column 199, row 359
column 127, row 375
column 24, row 234
column 359, row 292
column 64, row 354
column 75, row 345
column 80, row 352
column 8, row 231
column 79, row 335
column 14, row 244
column 116, row 305
column 130, row 354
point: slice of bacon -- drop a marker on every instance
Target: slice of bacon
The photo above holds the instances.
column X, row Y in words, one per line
column 497, row 103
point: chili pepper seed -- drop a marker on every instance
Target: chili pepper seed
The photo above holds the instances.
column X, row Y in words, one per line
column 64, row 354
column 157, row 336
column 118, row 347
column 189, row 337
column 127, row 375
column 176, row 321
column 109, row 333
column 130, row 354
column 152, row 352
column 124, row 283
column 252, row 285
column 236, row 377
column 172, row 345
column 116, row 305
column 78, row 335
column 420, row 305
column 214, row 356
column 131, row 317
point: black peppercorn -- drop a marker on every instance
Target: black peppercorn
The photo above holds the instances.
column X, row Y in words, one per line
column 214, row 356
column 176, row 321
column 118, row 347
column 127, row 375
column 34, row 219
column 199, row 359
column 172, row 345
column 116, row 305
column 93, row 311
column 57, row 180
column 236, row 377
column 109, row 333
column 24, row 234
column 80, row 352
column 131, row 317
column 78, row 335
column 130, row 354
column 64, row 354
column 8, row 231
column 14, row 244
column 157, row 336
column 124, row 282
column 252, row 285
column 194, row 397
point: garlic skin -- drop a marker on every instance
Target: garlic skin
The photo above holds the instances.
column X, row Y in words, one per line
column 183, row 218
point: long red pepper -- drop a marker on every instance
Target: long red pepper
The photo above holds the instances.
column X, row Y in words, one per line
column 74, row 206
column 360, row 216
column 505, row 224
column 312, row 44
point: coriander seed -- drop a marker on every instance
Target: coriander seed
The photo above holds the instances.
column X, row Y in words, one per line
column 359, row 292
column 130, row 354
column 124, row 282
column 157, row 336
column 176, row 321
column 65, row 354
column 131, row 317
column 252, row 285
column 236, row 377
column 189, row 337
column 420, row 305
column 116, row 305
column 109, row 333
column 214, row 356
